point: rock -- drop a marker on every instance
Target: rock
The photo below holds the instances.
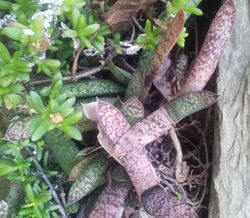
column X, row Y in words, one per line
column 230, row 190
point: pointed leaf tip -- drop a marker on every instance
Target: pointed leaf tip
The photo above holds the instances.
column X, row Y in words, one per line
column 112, row 121
column 188, row 104
column 211, row 50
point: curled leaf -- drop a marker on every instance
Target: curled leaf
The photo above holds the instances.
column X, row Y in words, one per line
column 92, row 177
column 212, row 49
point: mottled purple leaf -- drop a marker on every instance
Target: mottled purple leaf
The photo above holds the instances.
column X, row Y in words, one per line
column 112, row 121
column 161, row 203
column 17, row 131
column 111, row 200
column 212, row 49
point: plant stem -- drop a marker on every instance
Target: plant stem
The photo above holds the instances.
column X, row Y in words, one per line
column 46, row 180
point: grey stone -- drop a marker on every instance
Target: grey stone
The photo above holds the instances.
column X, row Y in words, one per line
column 230, row 191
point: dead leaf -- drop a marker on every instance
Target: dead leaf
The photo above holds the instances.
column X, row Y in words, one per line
column 120, row 14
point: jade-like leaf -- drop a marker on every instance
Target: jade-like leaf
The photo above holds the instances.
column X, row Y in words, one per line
column 188, row 104
column 90, row 29
column 37, row 102
column 40, row 130
column 133, row 110
column 4, row 54
column 211, row 50
column 92, row 177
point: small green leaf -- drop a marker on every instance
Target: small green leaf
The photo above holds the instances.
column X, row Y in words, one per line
column 81, row 23
column 40, row 131
column 6, row 166
column 70, row 33
column 75, row 17
column 30, row 193
column 91, row 29
column 37, row 102
column 74, row 118
column 85, row 42
column 53, row 106
column 98, row 45
column 193, row 10
column 67, row 104
column 4, row 53
column 12, row 33
column 75, row 133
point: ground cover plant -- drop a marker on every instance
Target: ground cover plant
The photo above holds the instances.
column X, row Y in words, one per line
column 96, row 107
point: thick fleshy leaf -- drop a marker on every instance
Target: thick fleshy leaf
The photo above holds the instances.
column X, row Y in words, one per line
column 188, row 104
column 37, row 102
column 120, row 74
column 17, row 131
column 40, row 131
column 133, row 110
column 79, row 167
column 144, row 132
column 92, row 177
column 112, row 121
column 111, row 200
column 4, row 55
column 212, row 49
column 160, row 203
column 140, row 170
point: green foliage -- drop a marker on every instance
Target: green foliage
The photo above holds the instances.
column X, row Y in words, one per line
column 149, row 40
column 18, row 167
column 183, row 35
column 189, row 7
column 59, row 113
column 12, row 68
column 85, row 28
